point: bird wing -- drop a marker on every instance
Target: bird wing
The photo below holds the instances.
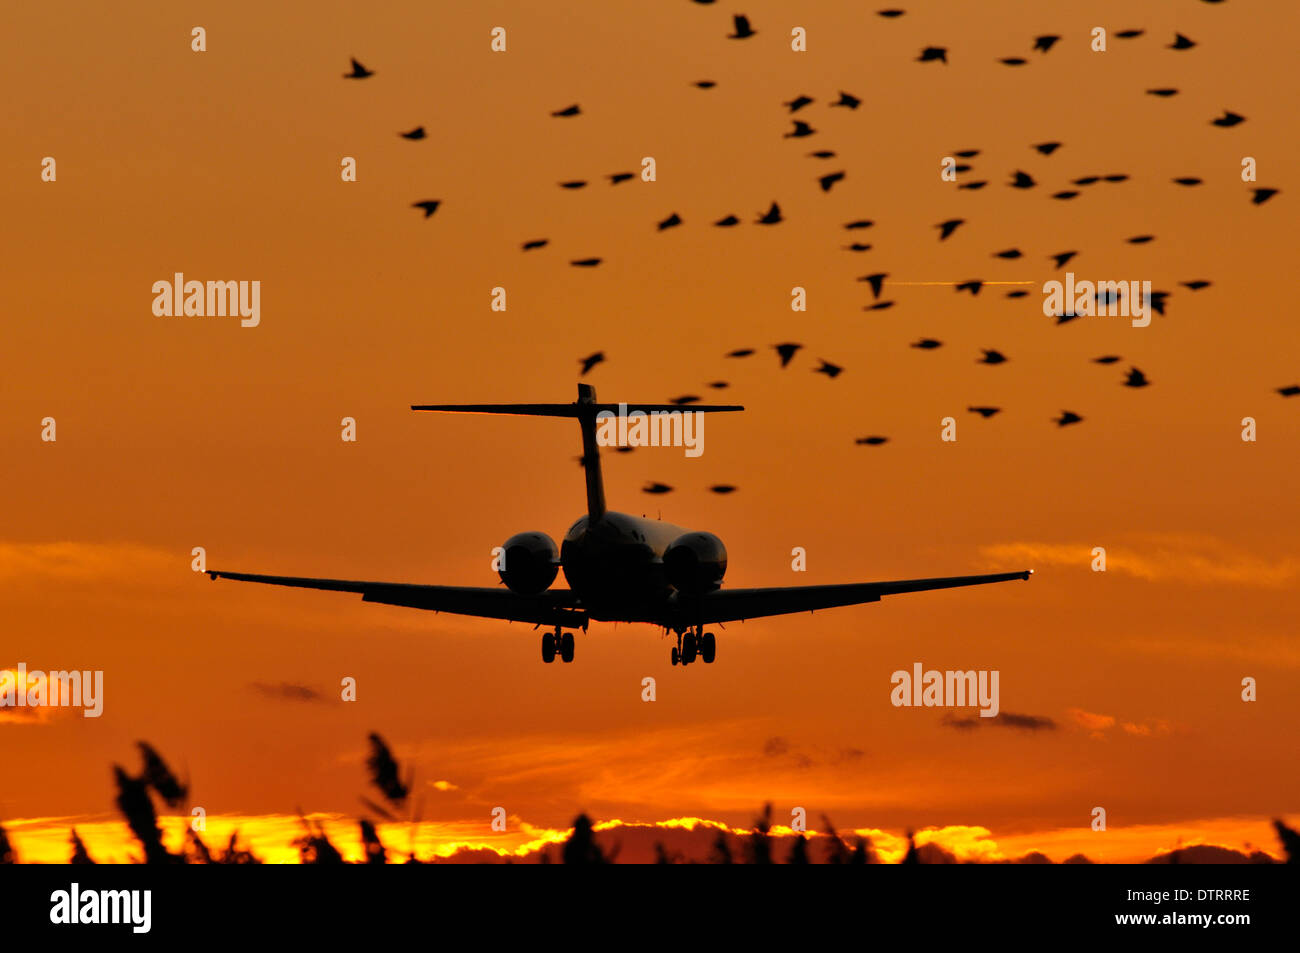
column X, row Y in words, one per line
column 729, row 605
column 553, row 607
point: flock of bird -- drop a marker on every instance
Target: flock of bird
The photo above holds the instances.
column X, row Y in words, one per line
column 802, row 128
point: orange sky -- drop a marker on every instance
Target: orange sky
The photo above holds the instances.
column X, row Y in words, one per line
column 183, row 432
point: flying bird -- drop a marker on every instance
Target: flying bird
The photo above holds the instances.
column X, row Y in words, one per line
column 1129, row 34
column 416, row 133
column 972, row 286
column 574, row 184
column 1067, row 418
column 706, row 84
column 670, row 221
column 878, row 306
column 985, row 412
column 656, row 488
column 536, row 243
column 1067, row 194
column 1228, row 119
column 890, row 14
column 573, row 110
column 927, row 344
column 1047, row 148
column 877, row 282
column 1140, row 239
column 1017, row 294
column 1107, row 359
column 1009, row 253
column 1262, row 195
column 1022, row 180
column 1063, row 257
column 358, row 71
column 1181, row 43
column 722, row 488
column 1196, row 285
column 1045, row 43
column 586, row 262
column 967, row 153
column 857, row 246
column 1013, row 61
column 1188, row 180
column 1087, row 180
column 848, row 100
column 948, row 227
column 798, row 103
column 743, row 29
column 972, row 186
column 860, row 223
column 870, row 441
column 1290, row 391
column 590, row 361
column 616, row 177
column 786, row 351
column 741, row 352
column 1119, row 177
column 801, row 129
column 685, row 399
column 830, row 370
column 1164, row 92
column 1136, row 378
column 992, row 357
column 429, row 205
column 772, row 216
column 822, row 154
column 727, row 222
column 827, row 181
column 933, row 53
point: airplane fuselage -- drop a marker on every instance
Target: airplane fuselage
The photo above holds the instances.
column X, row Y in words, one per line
column 615, row 565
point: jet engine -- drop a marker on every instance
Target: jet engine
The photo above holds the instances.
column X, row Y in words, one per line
column 530, row 563
column 695, row 563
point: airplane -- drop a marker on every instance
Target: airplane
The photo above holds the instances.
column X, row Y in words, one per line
column 619, row 568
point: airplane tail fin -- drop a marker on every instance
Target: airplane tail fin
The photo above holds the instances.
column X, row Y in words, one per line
column 586, row 409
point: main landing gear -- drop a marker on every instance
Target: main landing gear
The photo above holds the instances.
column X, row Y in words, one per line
column 557, row 641
column 692, row 645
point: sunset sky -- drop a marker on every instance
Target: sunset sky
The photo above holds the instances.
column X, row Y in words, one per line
column 180, row 432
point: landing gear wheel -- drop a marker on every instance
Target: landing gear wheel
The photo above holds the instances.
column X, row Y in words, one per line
column 708, row 648
column 690, row 645
column 548, row 648
column 566, row 647
column 676, row 656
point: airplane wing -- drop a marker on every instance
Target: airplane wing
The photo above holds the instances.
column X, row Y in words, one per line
column 553, row 607
column 730, row 605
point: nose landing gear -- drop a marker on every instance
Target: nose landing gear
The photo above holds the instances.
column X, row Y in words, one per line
column 693, row 645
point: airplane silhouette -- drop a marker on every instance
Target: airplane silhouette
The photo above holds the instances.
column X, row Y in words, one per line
column 620, row 568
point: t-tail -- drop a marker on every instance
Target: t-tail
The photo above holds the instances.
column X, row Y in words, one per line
column 587, row 410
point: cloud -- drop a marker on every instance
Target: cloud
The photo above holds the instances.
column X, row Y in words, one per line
column 1163, row 557
column 1006, row 719
column 85, row 561
column 288, row 691
column 1094, row 723
column 444, row 786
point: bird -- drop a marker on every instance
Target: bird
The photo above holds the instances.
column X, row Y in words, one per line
column 1289, row 391
column 586, row 262
column 827, row 181
column 429, row 205
column 890, row 14
column 590, row 361
column 1045, row 43
column 1067, row 194
column 670, row 221
column 1067, row 418
column 860, row 223
column 992, row 357
column 616, row 177
column 972, row 186
column 786, row 351
column 1106, row 359
column 972, row 286
column 1164, row 92
column 871, row 441
column 1062, row 258
column 985, row 412
column 1196, row 285
column 1087, row 180
column 822, row 154
column 685, row 399
column 948, row 227
column 1140, row 239
column 1022, row 180
column 1017, row 294
column 877, row 281
column 772, row 216
column 1013, row 61
column 722, row 488
column 1136, row 378
column 1157, row 301
column 1129, row 34
column 927, row 344
column 967, row 153
column 830, row 370
column 718, row 385
column 1262, row 195
column 656, row 488
column 846, row 99
column 574, row 184
column 933, row 53
column 706, row 84
column 857, row 246
column 535, row 243
column 798, row 103
column 358, row 71
column 1181, row 43
column 741, row 352
column 1228, row 119
column 567, row 111
column 743, row 29
column 1009, row 253
column 878, row 306
column 1118, row 177
column 727, row 222
column 801, row 129
column 416, row 133
column 962, row 167
column 1047, row 148
column 1188, row 180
